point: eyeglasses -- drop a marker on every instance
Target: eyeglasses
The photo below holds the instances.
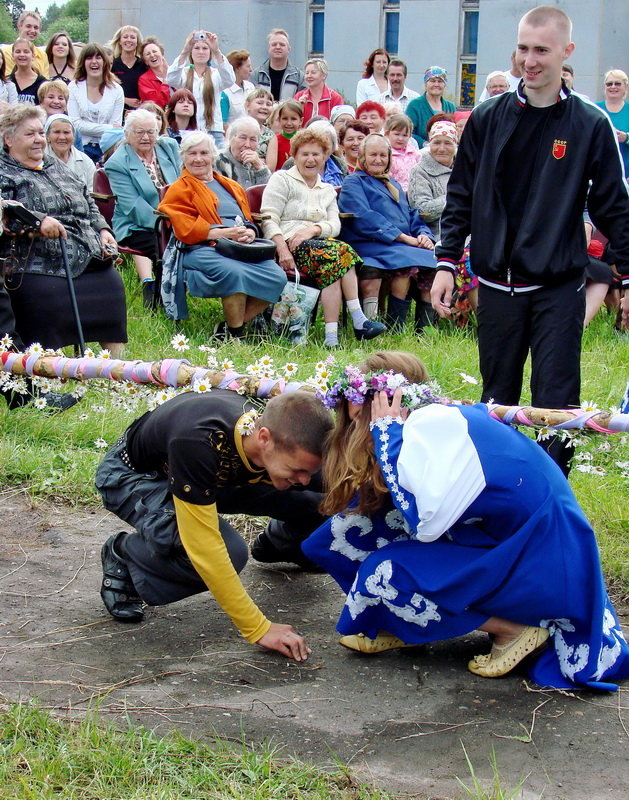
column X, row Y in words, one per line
column 614, row 83
column 142, row 132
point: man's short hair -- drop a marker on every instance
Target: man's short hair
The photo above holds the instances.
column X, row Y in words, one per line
column 397, row 62
column 25, row 14
column 277, row 32
column 544, row 15
column 297, row 421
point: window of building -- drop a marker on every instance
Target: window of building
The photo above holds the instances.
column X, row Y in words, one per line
column 392, row 26
column 317, row 27
column 468, row 49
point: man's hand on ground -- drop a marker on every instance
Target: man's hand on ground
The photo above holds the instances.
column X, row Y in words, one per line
column 286, row 640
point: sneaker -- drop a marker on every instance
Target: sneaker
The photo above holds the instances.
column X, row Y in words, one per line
column 371, row 328
column 220, row 331
column 117, row 590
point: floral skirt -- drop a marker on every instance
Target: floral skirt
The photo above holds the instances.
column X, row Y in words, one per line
column 325, row 260
column 464, row 277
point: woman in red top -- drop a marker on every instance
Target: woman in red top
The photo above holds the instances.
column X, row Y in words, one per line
column 152, row 84
column 317, row 99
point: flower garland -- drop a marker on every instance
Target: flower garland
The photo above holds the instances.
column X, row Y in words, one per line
column 354, row 386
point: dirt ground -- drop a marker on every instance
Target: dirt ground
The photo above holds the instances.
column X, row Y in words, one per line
column 398, row 719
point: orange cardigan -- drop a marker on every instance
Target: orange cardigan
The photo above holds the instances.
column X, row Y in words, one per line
column 192, row 207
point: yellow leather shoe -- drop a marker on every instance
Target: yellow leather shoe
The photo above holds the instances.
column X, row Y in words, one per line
column 384, row 641
column 505, row 657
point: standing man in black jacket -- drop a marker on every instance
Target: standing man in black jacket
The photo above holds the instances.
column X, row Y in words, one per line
column 527, row 164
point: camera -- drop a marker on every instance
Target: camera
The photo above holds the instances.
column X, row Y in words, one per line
column 19, row 218
column 199, row 36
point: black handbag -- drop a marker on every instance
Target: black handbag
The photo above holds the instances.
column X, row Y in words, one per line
column 257, row 250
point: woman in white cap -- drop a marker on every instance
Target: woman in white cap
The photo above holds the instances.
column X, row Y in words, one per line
column 60, row 133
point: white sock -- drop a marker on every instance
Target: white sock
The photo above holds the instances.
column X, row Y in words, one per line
column 331, row 333
column 370, row 307
column 358, row 318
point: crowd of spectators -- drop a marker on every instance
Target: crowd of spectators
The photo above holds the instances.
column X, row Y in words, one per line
column 124, row 108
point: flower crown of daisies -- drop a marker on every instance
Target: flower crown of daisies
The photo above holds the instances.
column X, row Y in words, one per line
column 354, row 386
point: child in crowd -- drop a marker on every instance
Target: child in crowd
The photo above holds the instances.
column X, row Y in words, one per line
column 290, row 116
column 259, row 104
column 404, row 150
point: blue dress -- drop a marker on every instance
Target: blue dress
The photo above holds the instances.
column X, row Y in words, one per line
column 209, row 274
column 376, row 222
column 481, row 523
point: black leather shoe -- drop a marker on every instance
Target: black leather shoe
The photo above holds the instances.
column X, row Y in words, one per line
column 117, row 590
column 370, row 330
column 265, row 551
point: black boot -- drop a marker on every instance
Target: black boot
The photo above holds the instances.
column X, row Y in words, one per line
column 397, row 312
column 150, row 300
column 117, row 590
column 272, row 546
column 424, row 316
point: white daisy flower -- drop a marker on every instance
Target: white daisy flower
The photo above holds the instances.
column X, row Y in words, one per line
column 588, row 406
column 35, row 348
column 205, row 348
column 604, row 447
column 179, row 342
column 100, row 443
column 99, row 409
column 226, row 364
column 253, row 369
column 545, row 433
column 79, row 391
column 19, row 386
column 89, row 353
column 6, row 343
column 265, row 361
column 40, row 403
column 290, row 369
column 83, row 417
column 212, row 362
column 591, row 468
column 468, row 378
column 584, row 457
column 104, row 353
column 201, row 386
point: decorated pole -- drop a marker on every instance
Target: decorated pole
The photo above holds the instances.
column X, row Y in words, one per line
column 179, row 373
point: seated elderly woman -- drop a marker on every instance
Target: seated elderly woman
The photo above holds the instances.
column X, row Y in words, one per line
column 240, row 160
column 350, row 137
column 428, row 184
column 140, row 167
column 334, row 167
column 389, row 236
column 38, row 284
column 373, row 115
column 204, row 207
column 300, row 214
column 60, row 134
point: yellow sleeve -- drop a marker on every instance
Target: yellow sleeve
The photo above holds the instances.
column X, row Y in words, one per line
column 202, row 540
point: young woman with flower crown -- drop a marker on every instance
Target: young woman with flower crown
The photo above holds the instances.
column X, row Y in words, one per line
column 445, row 521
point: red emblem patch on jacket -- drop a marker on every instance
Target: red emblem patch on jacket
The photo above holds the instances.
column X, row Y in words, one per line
column 559, row 148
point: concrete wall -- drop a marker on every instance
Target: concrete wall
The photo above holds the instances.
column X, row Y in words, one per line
column 429, row 33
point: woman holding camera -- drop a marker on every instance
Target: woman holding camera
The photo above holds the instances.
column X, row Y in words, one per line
column 37, row 282
column 192, row 70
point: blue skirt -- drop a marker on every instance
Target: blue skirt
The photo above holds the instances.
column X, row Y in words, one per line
column 209, row 274
column 526, row 554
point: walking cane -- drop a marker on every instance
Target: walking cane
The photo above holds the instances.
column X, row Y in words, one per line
column 75, row 308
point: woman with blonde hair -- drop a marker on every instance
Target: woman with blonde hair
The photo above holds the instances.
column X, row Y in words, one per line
column 446, row 521
column 317, row 98
column 25, row 77
column 193, row 70
column 127, row 65
column 617, row 109
column 153, row 84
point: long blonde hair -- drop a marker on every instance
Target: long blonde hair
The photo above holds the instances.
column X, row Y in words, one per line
column 208, row 93
column 350, row 464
